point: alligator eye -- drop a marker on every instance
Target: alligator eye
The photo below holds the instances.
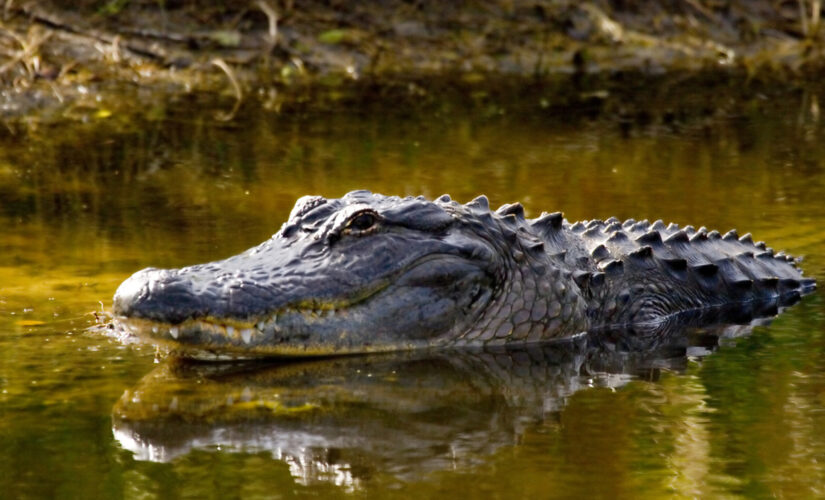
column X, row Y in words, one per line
column 363, row 222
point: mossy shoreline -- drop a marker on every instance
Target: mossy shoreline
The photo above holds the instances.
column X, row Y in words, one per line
column 57, row 57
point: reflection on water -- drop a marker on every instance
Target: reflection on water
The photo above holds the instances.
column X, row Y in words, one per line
column 404, row 415
column 84, row 205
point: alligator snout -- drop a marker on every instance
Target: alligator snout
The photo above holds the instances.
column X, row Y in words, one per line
column 157, row 294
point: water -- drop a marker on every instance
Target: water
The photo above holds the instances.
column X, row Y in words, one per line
column 85, row 204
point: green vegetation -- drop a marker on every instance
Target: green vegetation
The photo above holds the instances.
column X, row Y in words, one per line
column 54, row 54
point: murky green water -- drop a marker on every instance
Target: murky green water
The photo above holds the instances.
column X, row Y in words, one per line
column 83, row 205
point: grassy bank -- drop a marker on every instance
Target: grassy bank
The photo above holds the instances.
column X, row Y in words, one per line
column 58, row 57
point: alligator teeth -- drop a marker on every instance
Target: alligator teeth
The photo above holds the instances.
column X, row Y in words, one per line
column 174, row 331
column 246, row 335
column 230, row 331
column 260, row 326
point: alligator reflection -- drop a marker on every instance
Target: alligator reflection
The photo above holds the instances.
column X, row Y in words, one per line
column 342, row 419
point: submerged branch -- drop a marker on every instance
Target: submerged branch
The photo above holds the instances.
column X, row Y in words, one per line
column 235, row 86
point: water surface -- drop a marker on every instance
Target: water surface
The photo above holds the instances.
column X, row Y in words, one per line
column 84, row 204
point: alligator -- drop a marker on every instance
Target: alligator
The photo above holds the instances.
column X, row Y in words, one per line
column 370, row 273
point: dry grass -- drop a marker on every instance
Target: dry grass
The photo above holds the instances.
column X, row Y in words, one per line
column 27, row 55
column 809, row 17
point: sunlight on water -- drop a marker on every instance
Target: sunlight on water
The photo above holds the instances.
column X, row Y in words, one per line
column 82, row 206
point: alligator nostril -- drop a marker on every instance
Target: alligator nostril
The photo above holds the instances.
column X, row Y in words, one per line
column 157, row 294
column 130, row 292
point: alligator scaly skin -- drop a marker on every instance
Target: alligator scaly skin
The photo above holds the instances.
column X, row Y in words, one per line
column 567, row 277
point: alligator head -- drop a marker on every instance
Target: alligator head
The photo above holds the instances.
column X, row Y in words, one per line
column 361, row 273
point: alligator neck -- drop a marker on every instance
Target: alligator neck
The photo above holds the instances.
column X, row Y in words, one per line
column 536, row 299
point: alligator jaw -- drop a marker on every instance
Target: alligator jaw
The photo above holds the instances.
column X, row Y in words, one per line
column 215, row 340
column 270, row 335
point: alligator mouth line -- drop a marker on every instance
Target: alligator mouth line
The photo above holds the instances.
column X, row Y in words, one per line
column 241, row 331
column 237, row 340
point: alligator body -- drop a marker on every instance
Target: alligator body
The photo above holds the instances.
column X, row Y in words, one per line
column 368, row 273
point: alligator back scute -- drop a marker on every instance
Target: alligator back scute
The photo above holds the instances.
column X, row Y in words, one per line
column 695, row 268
